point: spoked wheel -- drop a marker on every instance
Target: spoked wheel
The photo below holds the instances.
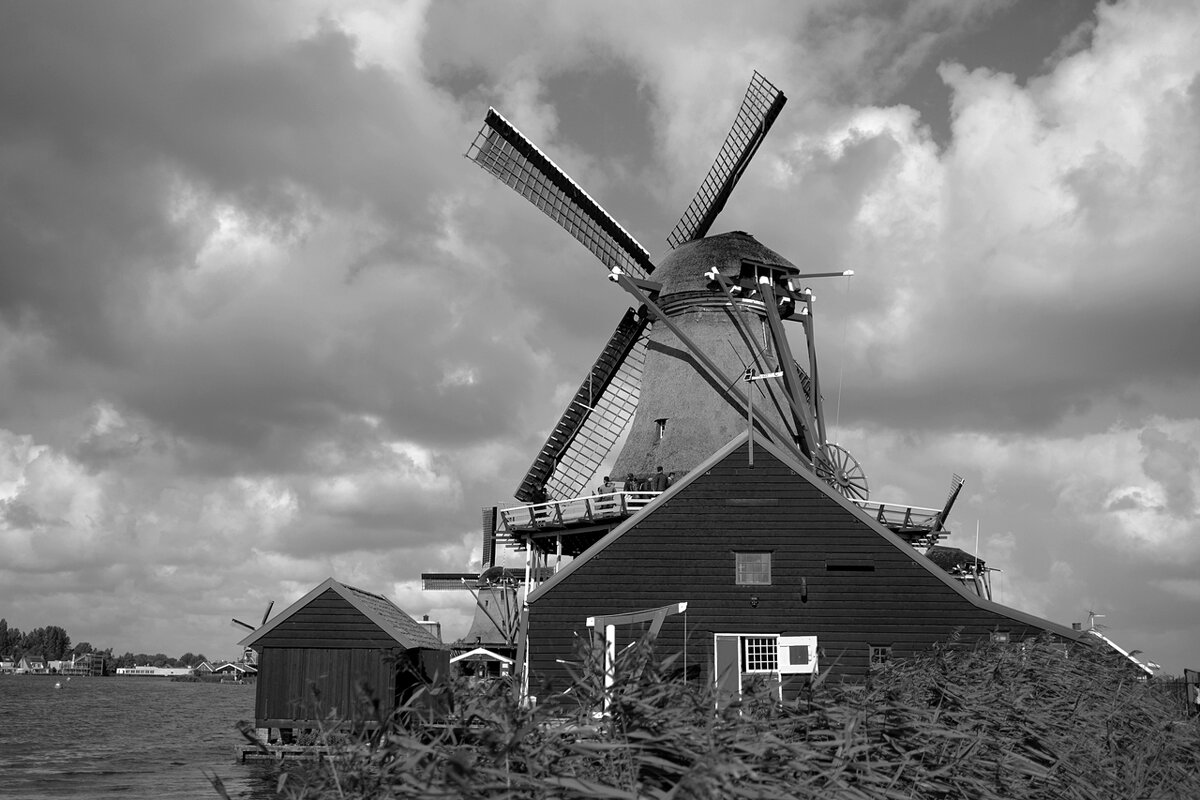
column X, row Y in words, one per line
column 840, row 470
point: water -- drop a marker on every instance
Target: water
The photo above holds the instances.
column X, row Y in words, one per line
column 124, row 738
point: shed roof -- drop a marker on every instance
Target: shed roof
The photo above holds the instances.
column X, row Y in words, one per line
column 481, row 654
column 405, row 630
column 804, row 473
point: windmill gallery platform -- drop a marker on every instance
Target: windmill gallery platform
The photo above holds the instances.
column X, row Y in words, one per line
column 767, row 558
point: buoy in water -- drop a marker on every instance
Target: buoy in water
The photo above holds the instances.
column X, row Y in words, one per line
column 57, row 685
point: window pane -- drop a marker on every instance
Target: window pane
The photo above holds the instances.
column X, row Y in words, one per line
column 753, row 569
column 761, row 654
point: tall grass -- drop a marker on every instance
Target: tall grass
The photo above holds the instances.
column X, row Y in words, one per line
column 999, row 721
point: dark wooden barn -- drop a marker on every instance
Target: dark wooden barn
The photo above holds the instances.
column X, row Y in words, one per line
column 313, row 657
column 780, row 574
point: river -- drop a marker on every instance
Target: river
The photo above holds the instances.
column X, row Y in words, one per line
column 128, row 738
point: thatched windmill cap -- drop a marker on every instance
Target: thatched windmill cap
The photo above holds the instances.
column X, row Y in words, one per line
column 682, row 270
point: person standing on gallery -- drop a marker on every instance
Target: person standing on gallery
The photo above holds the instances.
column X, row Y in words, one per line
column 659, row 482
column 605, row 502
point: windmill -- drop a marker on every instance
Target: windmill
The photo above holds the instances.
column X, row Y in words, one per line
column 249, row 656
column 709, row 311
column 496, row 592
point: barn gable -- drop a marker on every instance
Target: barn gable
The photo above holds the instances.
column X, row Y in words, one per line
column 812, row 564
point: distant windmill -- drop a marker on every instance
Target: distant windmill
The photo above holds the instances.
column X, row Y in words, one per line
column 710, row 310
column 497, row 592
column 249, row 655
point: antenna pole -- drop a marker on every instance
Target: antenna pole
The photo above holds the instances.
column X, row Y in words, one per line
column 818, row 405
column 977, row 545
column 750, row 416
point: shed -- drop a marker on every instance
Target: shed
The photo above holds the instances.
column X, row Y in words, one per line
column 315, row 655
column 779, row 573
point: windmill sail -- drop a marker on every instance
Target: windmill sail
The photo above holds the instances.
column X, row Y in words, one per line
column 502, row 150
column 760, row 107
column 595, row 418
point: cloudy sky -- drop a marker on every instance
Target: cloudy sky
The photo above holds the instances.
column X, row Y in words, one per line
column 261, row 323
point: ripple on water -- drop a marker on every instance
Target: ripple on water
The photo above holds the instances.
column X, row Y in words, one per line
column 129, row 737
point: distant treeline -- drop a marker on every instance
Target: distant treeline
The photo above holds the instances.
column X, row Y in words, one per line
column 53, row 644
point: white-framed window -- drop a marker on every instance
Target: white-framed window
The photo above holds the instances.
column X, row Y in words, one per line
column 760, row 653
column 880, row 654
column 752, row 569
column 660, row 428
column 798, row 655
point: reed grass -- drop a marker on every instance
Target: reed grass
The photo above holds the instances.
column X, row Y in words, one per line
column 995, row 721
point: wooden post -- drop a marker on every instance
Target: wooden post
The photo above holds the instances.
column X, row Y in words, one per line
column 610, row 664
column 609, row 622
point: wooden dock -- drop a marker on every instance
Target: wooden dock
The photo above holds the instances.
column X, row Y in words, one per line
column 281, row 752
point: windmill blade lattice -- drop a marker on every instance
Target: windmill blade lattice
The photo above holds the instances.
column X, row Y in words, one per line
column 502, row 150
column 760, row 107
column 596, row 417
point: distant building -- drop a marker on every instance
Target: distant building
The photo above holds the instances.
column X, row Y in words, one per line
column 483, row 663
column 148, row 671
column 32, row 665
column 84, row 664
column 234, row 669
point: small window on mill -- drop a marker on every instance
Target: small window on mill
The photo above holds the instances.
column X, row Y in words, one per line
column 753, row 569
column 660, row 428
column 880, row 655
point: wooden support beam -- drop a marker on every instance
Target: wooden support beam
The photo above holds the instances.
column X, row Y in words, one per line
column 711, row 370
column 818, row 403
column 761, row 358
column 787, row 364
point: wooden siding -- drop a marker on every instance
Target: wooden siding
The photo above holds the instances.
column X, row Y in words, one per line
column 684, row 551
column 328, row 621
column 303, row 687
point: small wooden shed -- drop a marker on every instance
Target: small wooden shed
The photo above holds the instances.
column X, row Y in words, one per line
column 314, row 657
